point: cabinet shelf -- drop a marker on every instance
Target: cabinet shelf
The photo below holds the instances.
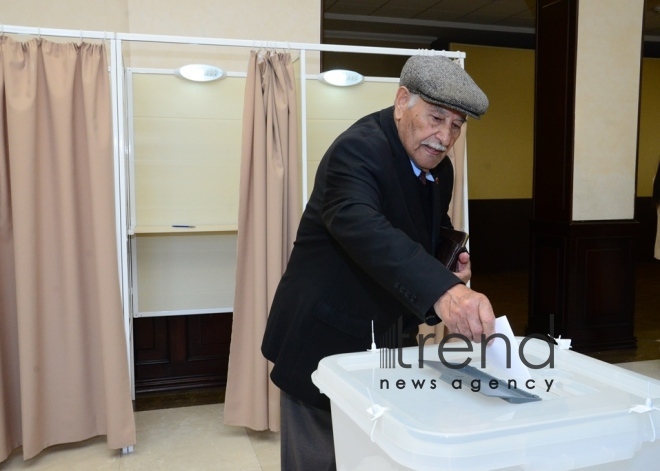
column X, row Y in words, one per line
column 227, row 228
column 186, row 312
column 184, row 273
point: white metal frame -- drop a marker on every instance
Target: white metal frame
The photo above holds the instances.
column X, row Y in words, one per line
column 121, row 107
column 122, row 200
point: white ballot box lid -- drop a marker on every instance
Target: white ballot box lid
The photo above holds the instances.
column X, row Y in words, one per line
column 590, row 413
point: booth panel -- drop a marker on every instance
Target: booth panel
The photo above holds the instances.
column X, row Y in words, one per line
column 187, row 148
column 186, row 272
column 348, row 103
column 161, row 95
column 186, row 171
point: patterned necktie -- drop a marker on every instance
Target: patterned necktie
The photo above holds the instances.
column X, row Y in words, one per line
column 422, row 177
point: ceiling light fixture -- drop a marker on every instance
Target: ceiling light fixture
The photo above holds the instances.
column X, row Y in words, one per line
column 200, row 72
column 341, row 78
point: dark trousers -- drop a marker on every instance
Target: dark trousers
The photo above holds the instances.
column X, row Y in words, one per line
column 306, row 435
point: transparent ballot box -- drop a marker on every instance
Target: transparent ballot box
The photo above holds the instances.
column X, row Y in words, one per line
column 575, row 412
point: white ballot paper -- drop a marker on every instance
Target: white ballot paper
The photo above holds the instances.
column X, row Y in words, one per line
column 496, row 354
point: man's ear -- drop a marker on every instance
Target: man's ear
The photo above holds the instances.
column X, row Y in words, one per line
column 401, row 101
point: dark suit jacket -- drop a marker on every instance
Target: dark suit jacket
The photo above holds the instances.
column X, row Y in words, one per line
column 362, row 253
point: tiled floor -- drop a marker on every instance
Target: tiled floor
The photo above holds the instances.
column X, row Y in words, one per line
column 650, row 368
column 186, row 438
column 194, row 438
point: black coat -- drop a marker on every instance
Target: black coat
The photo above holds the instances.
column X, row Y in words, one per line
column 362, row 253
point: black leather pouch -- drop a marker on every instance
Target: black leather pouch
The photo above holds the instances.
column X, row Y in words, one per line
column 451, row 244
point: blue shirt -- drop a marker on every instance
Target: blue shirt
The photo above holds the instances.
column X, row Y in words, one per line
column 417, row 171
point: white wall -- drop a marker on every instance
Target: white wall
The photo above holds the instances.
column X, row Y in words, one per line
column 97, row 15
column 607, row 109
column 284, row 20
column 263, row 20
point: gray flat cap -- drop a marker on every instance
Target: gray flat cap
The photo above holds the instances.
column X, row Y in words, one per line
column 441, row 81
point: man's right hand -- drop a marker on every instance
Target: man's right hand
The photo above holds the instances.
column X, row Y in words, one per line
column 466, row 312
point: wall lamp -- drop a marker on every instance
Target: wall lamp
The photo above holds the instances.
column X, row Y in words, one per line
column 341, row 78
column 200, row 72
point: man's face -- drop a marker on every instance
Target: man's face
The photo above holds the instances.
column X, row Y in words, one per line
column 427, row 131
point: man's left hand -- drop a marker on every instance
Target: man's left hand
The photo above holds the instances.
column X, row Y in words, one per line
column 464, row 267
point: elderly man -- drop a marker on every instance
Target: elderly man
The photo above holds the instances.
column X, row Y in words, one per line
column 363, row 251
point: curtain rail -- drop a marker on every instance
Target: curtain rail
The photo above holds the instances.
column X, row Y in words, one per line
column 54, row 32
column 132, row 37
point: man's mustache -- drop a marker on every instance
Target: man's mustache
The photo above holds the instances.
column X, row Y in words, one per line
column 434, row 145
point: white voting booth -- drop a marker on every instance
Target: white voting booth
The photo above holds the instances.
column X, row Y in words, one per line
column 177, row 156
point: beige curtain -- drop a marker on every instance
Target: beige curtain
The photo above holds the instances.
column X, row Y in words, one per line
column 63, row 362
column 457, row 205
column 269, row 212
